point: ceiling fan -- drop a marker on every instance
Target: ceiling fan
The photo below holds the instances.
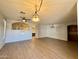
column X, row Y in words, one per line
column 23, row 18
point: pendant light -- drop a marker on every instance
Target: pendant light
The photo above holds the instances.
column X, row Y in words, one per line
column 35, row 17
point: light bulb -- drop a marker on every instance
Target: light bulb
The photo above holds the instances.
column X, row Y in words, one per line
column 23, row 20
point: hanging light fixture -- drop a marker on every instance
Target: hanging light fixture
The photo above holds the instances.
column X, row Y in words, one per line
column 35, row 17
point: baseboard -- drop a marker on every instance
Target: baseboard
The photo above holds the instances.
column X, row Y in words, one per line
column 57, row 39
column 52, row 38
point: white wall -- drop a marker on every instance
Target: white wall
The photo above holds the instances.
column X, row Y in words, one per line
column 17, row 35
column 42, row 31
column 59, row 31
column 2, row 31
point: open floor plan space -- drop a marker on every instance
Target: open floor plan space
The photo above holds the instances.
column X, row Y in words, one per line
column 43, row 48
column 38, row 29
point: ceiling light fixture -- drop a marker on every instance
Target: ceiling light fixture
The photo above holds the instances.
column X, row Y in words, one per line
column 36, row 16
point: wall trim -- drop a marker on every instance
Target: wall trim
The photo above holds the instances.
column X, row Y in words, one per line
column 52, row 38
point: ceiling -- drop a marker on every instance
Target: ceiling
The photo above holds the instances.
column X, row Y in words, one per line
column 52, row 11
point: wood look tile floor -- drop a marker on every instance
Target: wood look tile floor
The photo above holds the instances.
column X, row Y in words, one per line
column 44, row 48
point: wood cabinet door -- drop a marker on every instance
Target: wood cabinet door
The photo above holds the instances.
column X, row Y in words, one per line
column 72, row 33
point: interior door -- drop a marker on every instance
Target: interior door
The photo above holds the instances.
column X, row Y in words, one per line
column 72, row 33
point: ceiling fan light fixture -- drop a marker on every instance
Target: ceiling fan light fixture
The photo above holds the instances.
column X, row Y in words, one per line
column 23, row 20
